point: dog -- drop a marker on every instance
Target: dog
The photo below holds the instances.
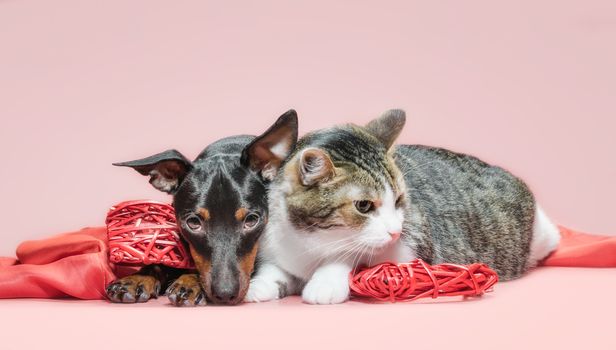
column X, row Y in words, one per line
column 220, row 200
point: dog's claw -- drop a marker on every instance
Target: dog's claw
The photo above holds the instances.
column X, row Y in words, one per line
column 128, row 298
column 186, row 291
column 133, row 289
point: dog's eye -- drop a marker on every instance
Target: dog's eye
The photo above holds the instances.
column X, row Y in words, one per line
column 194, row 223
column 251, row 221
column 364, row 206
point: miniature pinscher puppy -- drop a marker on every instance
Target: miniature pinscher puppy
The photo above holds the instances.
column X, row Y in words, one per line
column 220, row 201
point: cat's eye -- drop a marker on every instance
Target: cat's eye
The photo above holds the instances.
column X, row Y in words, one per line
column 194, row 223
column 364, row 206
column 399, row 201
column 251, row 221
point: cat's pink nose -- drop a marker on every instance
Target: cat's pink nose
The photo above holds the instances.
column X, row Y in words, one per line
column 395, row 235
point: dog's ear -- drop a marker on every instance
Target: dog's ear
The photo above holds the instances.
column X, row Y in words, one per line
column 265, row 153
column 166, row 169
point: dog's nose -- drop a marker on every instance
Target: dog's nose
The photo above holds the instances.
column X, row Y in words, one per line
column 225, row 295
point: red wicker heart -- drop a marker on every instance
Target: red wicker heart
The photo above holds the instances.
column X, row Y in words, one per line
column 417, row 279
column 145, row 232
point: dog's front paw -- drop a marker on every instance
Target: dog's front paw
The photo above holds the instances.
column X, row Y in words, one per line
column 133, row 289
column 186, row 291
column 326, row 290
column 262, row 290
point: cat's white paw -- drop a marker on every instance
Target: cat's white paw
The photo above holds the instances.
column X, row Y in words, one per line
column 266, row 285
column 261, row 290
column 326, row 291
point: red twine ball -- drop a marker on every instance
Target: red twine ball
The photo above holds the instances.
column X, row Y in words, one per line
column 145, row 232
column 417, row 279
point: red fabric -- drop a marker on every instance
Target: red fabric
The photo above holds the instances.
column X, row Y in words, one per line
column 579, row 249
column 77, row 264
column 67, row 265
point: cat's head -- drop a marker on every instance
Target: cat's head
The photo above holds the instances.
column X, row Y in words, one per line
column 342, row 184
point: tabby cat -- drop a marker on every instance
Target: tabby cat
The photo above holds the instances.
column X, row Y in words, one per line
column 348, row 197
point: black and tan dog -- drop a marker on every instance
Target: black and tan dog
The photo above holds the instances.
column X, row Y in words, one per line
column 220, row 201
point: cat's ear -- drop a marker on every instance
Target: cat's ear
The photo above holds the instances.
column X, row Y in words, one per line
column 387, row 127
column 166, row 169
column 315, row 166
column 266, row 152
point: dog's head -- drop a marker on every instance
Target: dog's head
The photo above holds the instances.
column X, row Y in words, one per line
column 220, row 201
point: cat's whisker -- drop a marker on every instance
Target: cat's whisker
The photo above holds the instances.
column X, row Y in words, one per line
column 350, row 252
column 347, row 251
column 336, row 249
column 348, row 246
column 371, row 256
column 364, row 251
column 357, row 256
column 332, row 243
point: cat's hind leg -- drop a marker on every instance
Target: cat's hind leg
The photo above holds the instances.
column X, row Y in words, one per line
column 546, row 237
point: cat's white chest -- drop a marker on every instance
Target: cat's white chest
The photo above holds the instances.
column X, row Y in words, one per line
column 289, row 251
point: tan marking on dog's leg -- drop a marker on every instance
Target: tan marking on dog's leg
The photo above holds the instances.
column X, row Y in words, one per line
column 186, row 291
column 133, row 289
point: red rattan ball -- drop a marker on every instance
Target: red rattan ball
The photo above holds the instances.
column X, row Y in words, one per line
column 143, row 233
column 417, row 279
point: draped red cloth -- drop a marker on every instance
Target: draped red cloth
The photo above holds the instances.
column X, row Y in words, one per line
column 77, row 264
column 579, row 249
column 72, row 264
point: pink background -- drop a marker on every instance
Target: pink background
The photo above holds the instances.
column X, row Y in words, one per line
column 529, row 85
column 86, row 83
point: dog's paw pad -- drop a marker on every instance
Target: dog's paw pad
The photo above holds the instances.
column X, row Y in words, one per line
column 133, row 289
column 186, row 291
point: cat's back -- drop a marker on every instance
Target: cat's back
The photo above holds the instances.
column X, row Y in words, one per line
column 445, row 170
column 427, row 159
column 471, row 210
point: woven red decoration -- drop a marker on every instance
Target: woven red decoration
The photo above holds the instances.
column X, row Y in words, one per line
column 145, row 232
column 417, row 279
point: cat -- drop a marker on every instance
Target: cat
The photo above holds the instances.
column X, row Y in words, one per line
column 347, row 196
